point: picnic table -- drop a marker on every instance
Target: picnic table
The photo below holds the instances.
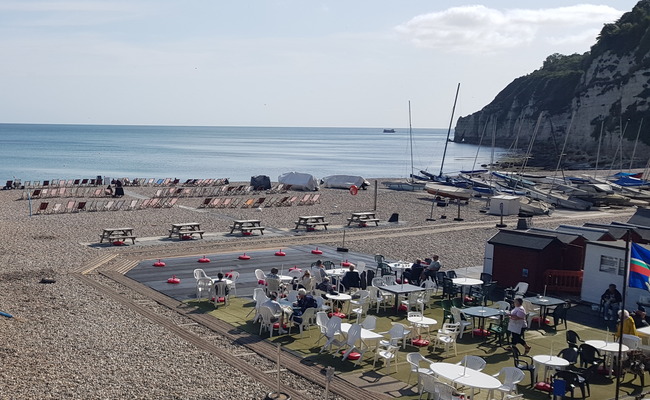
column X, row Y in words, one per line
column 310, row 222
column 115, row 234
column 247, row 226
column 186, row 229
column 363, row 218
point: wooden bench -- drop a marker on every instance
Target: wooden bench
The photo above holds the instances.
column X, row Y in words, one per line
column 186, row 233
column 244, row 229
column 114, row 238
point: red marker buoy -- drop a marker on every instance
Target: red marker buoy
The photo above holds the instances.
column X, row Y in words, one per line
column 346, row 263
column 118, row 243
column 186, row 237
column 420, row 342
column 280, row 253
column 354, row 190
column 204, row 260
column 244, row 257
column 228, row 274
column 159, row 263
column 295, row 268
column 174, row 280
column 316, row 251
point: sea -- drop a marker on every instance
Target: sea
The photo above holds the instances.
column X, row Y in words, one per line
column 44, row 152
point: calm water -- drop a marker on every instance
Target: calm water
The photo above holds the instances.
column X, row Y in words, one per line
column 39, row 152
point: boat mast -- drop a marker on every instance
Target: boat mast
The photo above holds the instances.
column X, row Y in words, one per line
column 411, row 139
column 451, row 121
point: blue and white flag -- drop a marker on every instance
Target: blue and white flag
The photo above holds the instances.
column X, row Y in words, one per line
column 639, row 267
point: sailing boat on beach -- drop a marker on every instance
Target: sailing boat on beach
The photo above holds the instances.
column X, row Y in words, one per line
column 411, row 183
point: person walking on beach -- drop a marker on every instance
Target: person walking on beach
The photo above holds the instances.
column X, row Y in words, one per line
column 517, row 325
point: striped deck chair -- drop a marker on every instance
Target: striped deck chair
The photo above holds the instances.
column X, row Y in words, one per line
column 258, row 203
column 92, row 206
column 315, row 199
column 304, row 200
column 118, row 206
column 170, row 202
column 158, row 193
column 70, row 206
column 81, row 206
column 290, row 202
column 235, row 203
column 58, row 208
column 42, row 208
column 154, row 203
column 226, row 203
column 280, row 202
column 248, row 203
column 206, row 203
column 107, row 206
column 215, row 203
column 133, row 205
column 271, row 202
column 145, row 204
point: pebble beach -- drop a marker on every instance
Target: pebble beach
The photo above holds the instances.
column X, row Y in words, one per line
column 67, row 340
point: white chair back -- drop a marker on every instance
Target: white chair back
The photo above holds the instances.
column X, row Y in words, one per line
column 369, row 323
column 389, row 279
column 292, row 296
column 377, row 282
column 361, row 266
column 631, row 341
column 199, row 273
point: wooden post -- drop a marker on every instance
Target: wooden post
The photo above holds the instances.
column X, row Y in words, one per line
column 376, row 192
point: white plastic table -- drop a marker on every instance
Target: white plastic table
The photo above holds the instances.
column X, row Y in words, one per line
column 550, row 362
column 609, row 349
column 481, row 313
column 645, row 332
column 341, row 298
column 366, row 335
column 465, row 377
column 422, row 322
column 466, row 283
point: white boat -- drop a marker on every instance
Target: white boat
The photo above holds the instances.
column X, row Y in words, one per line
column 558, row 199
column 452, row 192
column 404, row 185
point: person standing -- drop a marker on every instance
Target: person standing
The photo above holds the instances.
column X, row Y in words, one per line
column 517, row 325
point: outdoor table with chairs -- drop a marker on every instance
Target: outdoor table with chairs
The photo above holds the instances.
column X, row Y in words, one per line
column 246, row 226
column 466, row 283
column 544, row 302
column 481, row 313
column 608, row 350
column 366, row 335
column 401, row 289
column 340, row 298
column 549, row 361
column 363, row 218
column 418, row 321
column 459, row 374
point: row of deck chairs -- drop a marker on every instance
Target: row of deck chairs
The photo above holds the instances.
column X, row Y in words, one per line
column 48, row 193
column 256, row 202
column 75, row 183
column 104, row 205
column 213, row 191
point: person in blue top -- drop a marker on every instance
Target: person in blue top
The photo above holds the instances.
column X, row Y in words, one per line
column 304, row 302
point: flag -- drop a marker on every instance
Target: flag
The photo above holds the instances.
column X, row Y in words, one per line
column 639, row 267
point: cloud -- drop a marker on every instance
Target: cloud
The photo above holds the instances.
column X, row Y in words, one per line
column 477, row 28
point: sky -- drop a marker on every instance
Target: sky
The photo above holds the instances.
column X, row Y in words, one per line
column 277, row 62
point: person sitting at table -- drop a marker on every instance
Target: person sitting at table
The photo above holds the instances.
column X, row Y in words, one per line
column 414, row 273
column 276, row 309
column 320, row 268
column 351, row 279
column 273, row 274
column 306, row 281
column 304, row 302
column 639, row 317
column 325, row 286
column 430, row 271
column 628, row 324
column 220, row 279
column 611, row 301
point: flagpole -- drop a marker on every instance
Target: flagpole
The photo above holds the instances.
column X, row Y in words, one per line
column 620, row 325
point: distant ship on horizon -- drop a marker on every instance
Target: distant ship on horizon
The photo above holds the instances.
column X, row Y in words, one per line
column 389, row 130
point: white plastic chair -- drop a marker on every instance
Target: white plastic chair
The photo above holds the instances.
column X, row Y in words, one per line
column 273, row 285
column 360, row 308
column 292, row 296
column 446, row 336
column 531, row 312
column 321, row 321
column 396, row 334
column 445, row 391
column 266, row 318
column 260, row 298
column 332, row 330
column 631, row 341
column 415, row 327
column 511, row 377
column 295, row 273
column 414, row 360
column 378, row 282
column 361, row 266
column 261, row 278
column 199, row 273
column 353, row 336
column 375, row 297
column 203, row 286
column 389, row 279
column 234, row 276
column 220, row 289
column 473, row 362
column 464, row 324
column 427, row 384
column 388, row 354
column 308, row 318
column 369, row 323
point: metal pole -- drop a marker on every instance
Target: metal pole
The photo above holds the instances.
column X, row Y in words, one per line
column 279, row 351
column 451, row 121
column 29, row 199
column 620, row 325
column 376, row 193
